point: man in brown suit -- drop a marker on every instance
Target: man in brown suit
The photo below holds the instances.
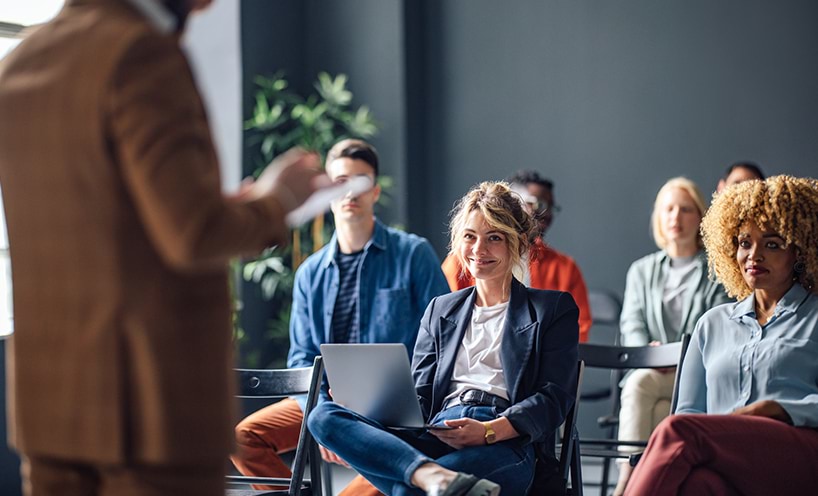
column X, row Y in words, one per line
column 119, row 368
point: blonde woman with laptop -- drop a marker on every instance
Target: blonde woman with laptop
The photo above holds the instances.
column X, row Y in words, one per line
column 494, row 367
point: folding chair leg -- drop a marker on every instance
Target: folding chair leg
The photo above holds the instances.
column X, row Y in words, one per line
column 576, row 470
column 606, row 474
column 326, row 478
column 316, row 468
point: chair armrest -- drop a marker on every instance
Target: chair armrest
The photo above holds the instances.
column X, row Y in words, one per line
column 600, row 393
column 613, row 442
column 607, row 420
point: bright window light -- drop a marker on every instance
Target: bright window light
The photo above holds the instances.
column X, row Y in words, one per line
column 28, row 12
column 6, row 44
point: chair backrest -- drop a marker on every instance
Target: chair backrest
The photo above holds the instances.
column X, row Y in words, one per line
column 273, row 383
column 674, row 400
column 605, row 307
column 281, row 383
column 630, row 357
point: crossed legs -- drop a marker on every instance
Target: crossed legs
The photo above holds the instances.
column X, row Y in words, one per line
column 389, row 458
column 727, row 454
column 645, row 402
column 264, row 435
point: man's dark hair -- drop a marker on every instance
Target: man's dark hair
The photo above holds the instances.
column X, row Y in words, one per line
column 355, row 149
column 528, row 176
column 750, row 166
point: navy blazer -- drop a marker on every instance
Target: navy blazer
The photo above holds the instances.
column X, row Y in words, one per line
column 538, row 353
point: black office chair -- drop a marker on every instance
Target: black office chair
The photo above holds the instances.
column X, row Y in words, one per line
column 568, row 452
column 282, row 383
column 620, row 359
column 605, row 309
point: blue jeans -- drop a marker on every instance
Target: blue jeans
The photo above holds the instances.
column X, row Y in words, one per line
column 389, row 457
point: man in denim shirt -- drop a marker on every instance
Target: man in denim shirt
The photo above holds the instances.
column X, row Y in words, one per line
column 369, row 284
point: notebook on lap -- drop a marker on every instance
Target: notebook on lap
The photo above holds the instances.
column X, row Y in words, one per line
column 374, row 380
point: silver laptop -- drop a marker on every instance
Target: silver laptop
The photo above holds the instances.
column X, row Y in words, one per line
column 375, row 381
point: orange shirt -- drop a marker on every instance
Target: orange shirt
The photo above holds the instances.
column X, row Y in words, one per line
column 549, row 269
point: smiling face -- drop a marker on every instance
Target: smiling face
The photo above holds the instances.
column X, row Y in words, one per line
column 484, row 249
column 765, row 260
column 679, row 217
column 353, row 208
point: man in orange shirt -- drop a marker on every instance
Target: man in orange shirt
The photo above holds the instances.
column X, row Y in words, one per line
column 547, row 268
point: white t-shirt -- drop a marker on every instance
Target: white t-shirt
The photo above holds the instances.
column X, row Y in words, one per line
column 678, row 288
column 478, row 364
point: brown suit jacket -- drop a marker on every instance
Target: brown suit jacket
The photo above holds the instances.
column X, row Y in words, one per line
column 119, row 237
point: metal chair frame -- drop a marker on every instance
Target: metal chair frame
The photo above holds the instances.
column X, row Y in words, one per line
column 619, row 359
column 282, row 383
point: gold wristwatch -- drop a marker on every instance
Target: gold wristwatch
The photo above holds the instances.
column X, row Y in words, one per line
column 491, row 436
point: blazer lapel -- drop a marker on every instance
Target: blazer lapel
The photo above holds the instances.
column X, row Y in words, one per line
column 658, row 281
column 452, row 329
column 518, row 333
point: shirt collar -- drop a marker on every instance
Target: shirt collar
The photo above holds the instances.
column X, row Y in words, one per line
column 378, row 240
column 790, row 302
column 157, row 15
column 700, row 258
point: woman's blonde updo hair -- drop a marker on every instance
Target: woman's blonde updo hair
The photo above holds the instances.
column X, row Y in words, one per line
column 504, row 211
column 784, row 204
column 688, row 187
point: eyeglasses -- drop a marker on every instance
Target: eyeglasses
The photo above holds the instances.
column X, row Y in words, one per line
column 344, row 179
column 542, row 208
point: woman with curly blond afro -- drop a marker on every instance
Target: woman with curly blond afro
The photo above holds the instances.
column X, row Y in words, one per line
column 749, row 384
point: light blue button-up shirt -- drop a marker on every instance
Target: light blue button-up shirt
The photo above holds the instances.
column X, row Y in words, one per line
column 733, row 361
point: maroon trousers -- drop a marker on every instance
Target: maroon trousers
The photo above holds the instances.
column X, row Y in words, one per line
column 727, row 455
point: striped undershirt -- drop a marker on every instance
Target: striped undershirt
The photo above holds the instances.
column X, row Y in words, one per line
column 345, row 322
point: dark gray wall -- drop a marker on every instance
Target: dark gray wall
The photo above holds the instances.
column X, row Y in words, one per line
column 364, row 40
column 611, row 99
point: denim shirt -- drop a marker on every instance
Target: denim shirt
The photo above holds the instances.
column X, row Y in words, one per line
column 733, row 361
column 397, row 277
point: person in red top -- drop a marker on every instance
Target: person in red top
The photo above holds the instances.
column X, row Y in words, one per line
column 547, row 267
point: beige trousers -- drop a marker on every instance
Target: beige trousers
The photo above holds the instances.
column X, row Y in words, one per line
column 646, row 398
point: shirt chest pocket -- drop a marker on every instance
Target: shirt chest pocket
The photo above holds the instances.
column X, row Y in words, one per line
column 794, row 360
column 392, row 308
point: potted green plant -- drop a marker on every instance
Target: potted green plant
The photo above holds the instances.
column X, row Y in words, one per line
column 282, row 119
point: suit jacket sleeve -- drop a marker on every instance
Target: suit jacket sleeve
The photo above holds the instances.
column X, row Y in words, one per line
column 158, row 132
column 555, row 370
column 424, row 361
column 633, row 320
